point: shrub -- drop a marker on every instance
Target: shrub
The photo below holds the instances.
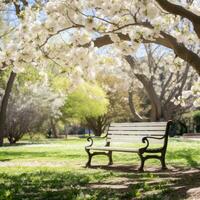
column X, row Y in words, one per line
column 196, row 118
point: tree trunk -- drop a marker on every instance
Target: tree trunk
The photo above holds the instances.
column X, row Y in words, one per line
column 98, row 125
column 136, row 116
column 12, row 140
column 54, row 129
column 97, row 132
column 156, row 112
column 4, row 105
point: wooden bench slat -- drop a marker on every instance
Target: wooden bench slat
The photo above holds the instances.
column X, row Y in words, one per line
column 150, row 128
column 145, row 124
column 114, row 149
column 133, row 139
column 115, row 132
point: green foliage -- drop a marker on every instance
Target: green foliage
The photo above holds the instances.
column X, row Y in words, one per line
column 4, row 78
column 196, row 118
column 59, row 83
column 34, row 137
column 29, row 75
column 86, row 101
column 117, row 95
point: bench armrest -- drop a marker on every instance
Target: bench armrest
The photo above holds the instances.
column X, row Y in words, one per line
column 145, row 140
column 90, row 139
column 151, row 137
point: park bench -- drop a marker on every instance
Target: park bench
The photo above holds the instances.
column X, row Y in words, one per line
column 152, row 138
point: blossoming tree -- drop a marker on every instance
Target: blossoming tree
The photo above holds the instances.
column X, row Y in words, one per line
column 67, row 32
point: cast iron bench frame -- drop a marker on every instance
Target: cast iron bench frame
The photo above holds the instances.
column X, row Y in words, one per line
column 151, row 152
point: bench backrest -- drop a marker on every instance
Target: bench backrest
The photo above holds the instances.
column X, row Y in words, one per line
column 134, row 132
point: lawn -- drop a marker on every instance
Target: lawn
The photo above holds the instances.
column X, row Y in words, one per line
column 54, row 169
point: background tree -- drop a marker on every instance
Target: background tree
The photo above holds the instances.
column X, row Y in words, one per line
column 81, row 26
column 163, row 87
column 117, row 95
column 85, row 103
column 36, row 98
column 18, row 8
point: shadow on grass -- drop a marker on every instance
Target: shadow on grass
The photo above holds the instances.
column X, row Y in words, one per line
column 11, row 155
column 4, row 160
column 104, row 185
column 41, row 185
column 187, row 155
column 54, row 186
column 155, row 184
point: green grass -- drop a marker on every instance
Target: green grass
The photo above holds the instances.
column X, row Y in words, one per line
column 54, row 169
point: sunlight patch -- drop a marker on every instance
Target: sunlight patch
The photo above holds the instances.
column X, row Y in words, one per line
column 33, row 164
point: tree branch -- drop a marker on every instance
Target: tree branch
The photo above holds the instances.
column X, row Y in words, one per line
column 181, row 11
column 165, row 40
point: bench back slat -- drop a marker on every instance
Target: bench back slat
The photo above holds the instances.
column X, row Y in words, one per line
column 129, row 139
column 134, row 132
column 115, row 132
column 145, row 124
column 138, row 128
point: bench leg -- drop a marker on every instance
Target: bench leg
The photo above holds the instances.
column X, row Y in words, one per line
column 110, row 158
column 142, row 159
column 88, row 164
column 162, row 160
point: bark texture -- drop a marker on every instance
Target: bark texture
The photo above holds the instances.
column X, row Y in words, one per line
column 4, row 105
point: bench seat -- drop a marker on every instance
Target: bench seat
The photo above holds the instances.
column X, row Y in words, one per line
column 135, row 150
